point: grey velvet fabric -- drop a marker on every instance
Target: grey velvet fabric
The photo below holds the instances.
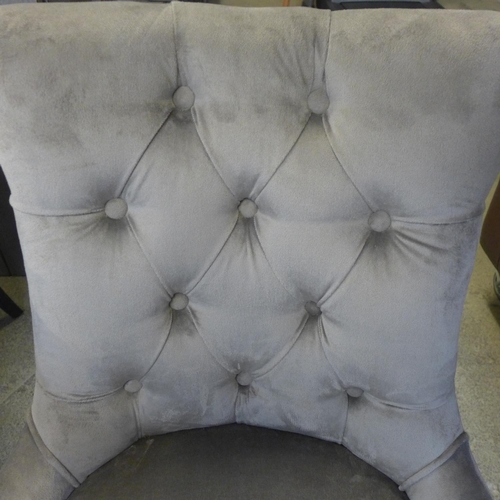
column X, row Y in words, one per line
column 240, row 462
column 455, row 478
column 29, row 475
column 189, row 180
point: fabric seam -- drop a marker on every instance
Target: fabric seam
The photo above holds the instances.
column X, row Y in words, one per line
column 174, row 22
column 160, row 351
column 269, row 264
column 138, row 425
column 449, row 223
column 213, row 261
column 342, row 166
column 27, row 211
column 47, row 455
column 285, row 157
column 282, row 355
column 74, row 400
column 330, row 294
column 432, row 405
column 141, row 156
column 217, row 360
column 462, row 439
column 194, row 116
column 148, row 260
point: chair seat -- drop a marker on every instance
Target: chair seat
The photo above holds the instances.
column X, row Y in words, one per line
column 236, row 462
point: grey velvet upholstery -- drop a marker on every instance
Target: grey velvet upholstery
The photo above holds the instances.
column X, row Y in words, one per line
column 260, row 216
column 237, row 461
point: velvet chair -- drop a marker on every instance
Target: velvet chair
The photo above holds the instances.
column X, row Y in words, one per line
column 231, row 216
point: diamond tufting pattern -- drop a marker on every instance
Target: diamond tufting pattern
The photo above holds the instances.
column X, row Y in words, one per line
column 258, row 235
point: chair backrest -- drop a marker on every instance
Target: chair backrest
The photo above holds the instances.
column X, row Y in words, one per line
column 265, row 216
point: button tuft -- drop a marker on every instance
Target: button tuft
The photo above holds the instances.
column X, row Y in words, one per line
column 379, row 221
column 244, row 378
column 116, row 208
column 133, row 386
column 312, row 308
column 183, row 98
column 354, row 392
column 318, row 101
column 247, row 208
column 179, row 302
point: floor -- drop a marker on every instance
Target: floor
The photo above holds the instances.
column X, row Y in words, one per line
column 478, row 374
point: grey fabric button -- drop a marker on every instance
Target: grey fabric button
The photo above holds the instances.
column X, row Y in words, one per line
column 244, row 378
column 247, row 208
column 183, row 98
column 354, row 392
column 312, row 308
column 179, row 302
column 379, row 221
column 116, row 208
column 318, row 101
column 133, row 386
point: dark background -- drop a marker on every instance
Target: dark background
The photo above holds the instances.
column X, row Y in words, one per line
column 11, row 258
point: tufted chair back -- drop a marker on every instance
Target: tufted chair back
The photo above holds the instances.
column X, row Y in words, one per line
column 259, row 216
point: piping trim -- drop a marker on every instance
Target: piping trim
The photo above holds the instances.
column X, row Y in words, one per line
column 435, row 464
